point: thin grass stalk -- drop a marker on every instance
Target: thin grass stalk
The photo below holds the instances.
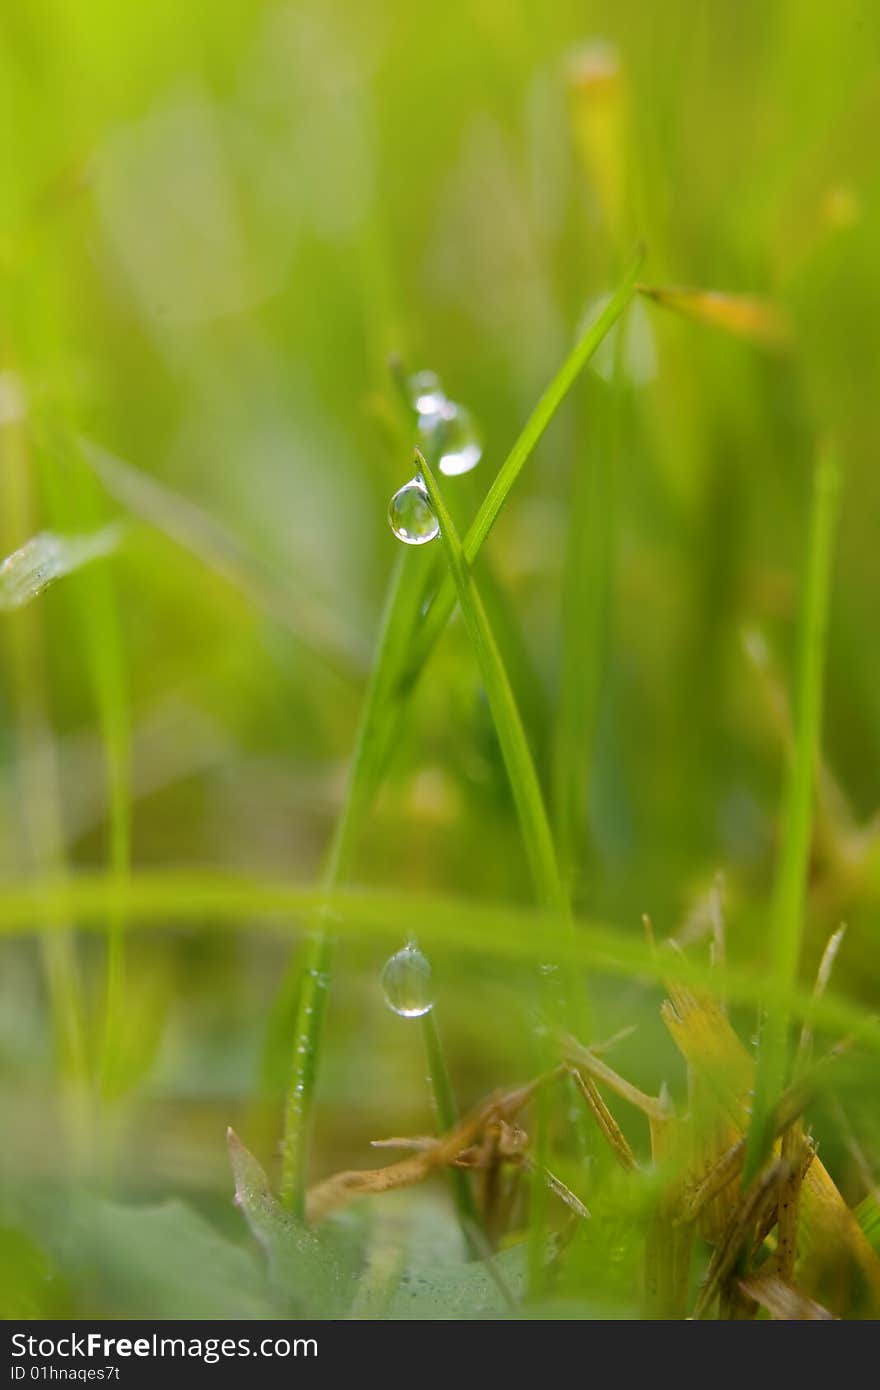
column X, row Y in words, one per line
column 383, row 707
column 40, row 796
column 786, row 923
column 447, row 1118
column 444, row 603
column 524, row 784
column 74, row 501
column 532, row 814
column 207, row 901
column 586, row 603
column 400, row 612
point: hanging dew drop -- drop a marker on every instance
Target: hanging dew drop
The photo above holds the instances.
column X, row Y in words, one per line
column 406, row 981
column 447, row 433
column 411, row 516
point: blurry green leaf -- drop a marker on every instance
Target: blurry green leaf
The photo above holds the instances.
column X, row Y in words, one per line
column 310, row 622
column 182, row 207
column 524, row 784
column 27, row 572
column 631, row 340
column 867, row 1214
column 160, row 1261
column 312, row 1272
column 786, row 921
column 465, row 1292
column 29, row 1285
column 597, row 85
column 502, row 931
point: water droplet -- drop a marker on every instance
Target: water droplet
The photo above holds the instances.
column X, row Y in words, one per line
column 411, row 516
column 447, row 432
column 406, row 981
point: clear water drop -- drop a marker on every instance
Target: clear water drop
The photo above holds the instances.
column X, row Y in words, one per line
column 406, row 981
column 411, row 516
column 447, row 433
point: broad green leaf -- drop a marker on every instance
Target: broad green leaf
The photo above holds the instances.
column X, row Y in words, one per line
column 158, row 1261
column 464, row 1292
column 311, row 1272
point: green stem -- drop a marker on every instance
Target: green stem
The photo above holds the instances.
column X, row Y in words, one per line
column 524, row 784
column 534, row 822
column 78, row 508
column 401, row 611
column 444, row 603
column 447, row 1119
column 586, row 614
column 406, row 642
column 41, row 797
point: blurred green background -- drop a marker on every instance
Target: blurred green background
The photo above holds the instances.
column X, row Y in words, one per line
column 216, row 224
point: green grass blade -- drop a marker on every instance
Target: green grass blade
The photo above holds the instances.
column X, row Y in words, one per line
column 537, row 423
column 48, row 557
column 524, row 784
column 565, row 1005
column 39, row 803
column 867, row 1214
column 586, row 602
column 790, row 887
column 208, row 900
column 308, row 620
column 404, row 647
column 79, row 508
column 447, row 1118
column 310, row 984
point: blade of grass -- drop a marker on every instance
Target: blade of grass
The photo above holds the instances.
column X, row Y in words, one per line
column 390, row 683
column 532, row 813
column 537, row 423
column 215, row 901
column 39, row 804
column 401, row 611
column 787, row 908
column 308, row 620
column 586, row 601
column 48, row 557
column 74, row 500
column 524, row 784
column 403, row 607
column 447, row 1119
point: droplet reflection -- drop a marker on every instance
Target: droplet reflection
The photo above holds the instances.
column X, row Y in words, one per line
column 406, row 981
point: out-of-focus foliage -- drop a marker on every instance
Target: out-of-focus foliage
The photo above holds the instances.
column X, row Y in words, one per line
column 217, row 224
